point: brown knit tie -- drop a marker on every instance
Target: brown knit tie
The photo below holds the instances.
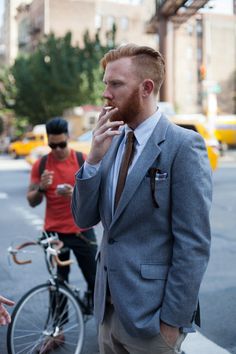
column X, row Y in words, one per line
column 125, row 163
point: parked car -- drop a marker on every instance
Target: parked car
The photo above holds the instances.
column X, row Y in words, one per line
column 198, row 123
column 29, row 141
column 225, row 129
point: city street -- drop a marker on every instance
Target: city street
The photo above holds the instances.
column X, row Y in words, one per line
column 19, row 223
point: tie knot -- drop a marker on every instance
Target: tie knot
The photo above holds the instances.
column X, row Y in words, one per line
column 130, row 137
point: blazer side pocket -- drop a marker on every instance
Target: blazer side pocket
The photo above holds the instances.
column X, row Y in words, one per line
column 154, row 271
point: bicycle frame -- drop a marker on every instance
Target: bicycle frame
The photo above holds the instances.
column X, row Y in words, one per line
column 64, row 308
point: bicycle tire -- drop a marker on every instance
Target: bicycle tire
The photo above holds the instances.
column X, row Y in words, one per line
column 34, row 322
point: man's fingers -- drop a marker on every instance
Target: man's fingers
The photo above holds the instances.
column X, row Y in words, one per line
column 105, row 115
column 6, row 301
column 3, row 321
column 107, row 134
column 108, row 126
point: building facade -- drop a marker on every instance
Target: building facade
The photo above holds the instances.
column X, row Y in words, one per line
column 10, row 31
column 201, row 53
column 204, row 65
column 42, row 17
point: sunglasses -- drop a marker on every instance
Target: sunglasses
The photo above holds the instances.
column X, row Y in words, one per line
column 60, row 145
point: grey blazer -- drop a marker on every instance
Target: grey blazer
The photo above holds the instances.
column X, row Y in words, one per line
column 152, row 257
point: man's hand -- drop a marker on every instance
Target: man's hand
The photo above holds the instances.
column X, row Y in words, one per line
column 46, row 179
column 5, row 317
column 169, row 333
column 103, row 135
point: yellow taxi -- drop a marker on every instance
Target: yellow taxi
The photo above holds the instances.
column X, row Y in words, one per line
column 28, row 142
column 195, row 122
column 225, row 129
column 198, row 123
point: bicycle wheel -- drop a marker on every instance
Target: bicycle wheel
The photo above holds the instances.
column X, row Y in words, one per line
column 46, row 314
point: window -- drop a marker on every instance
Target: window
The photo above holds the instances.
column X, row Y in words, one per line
column 189, row 53
column 110, row 22
column 98, row 21
column 189, row 29
column 199, row 54
column 199, row 28
column 124, row 23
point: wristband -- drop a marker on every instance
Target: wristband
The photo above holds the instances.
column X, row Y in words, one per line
column 40, row 190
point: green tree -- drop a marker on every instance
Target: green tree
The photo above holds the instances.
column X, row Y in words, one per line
column 7, row 89
column 58, row 76
column 48, row 80
column 89, row 66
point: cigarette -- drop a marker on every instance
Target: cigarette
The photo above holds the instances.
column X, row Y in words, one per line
column 108, row 108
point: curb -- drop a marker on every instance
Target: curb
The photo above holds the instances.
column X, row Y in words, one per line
column 196, row 343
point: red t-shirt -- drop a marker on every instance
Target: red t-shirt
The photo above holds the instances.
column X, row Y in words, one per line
column 58, row 216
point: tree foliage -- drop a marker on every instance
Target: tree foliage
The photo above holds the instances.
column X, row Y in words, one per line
column 57, row 76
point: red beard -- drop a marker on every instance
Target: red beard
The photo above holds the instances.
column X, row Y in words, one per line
column 129, row 109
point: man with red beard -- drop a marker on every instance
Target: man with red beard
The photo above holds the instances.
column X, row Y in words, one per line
column 149, row 182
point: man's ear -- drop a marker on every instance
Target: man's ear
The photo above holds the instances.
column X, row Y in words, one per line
column 147, row 87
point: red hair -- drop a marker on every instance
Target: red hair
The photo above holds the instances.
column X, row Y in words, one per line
column 149, row 63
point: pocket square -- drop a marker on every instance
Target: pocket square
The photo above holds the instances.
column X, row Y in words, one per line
column 155, row 174
column 161, row 176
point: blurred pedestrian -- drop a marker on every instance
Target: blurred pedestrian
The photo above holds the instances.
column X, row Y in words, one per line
column 5, row 317
column 156, row 239
column 53, row 177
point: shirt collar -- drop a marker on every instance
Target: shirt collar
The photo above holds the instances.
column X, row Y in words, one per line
column 145, row 129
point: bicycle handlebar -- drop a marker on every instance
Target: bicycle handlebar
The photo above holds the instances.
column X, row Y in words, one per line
column 50, row 251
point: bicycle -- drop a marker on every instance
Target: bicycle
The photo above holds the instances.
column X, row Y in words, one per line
column 53, row 312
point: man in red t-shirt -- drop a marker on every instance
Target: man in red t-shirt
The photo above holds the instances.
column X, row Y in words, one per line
column 56, row 185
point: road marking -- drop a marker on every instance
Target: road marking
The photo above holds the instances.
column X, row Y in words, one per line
column 14, row 165
column 37, row 222
column 32, row 218
column 3, row 195
column 227, row 165
column 39, row 227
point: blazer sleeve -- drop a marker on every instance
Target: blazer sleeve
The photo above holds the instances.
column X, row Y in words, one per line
column 191, row 201
column 85, row 200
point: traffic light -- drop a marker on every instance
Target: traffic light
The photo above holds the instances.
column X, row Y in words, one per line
column 202, row 71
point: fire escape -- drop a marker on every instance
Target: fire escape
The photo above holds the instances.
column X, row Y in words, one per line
column 178, row 11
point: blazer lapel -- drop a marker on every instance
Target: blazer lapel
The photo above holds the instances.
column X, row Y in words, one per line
column 106, row 169
column 149, row 154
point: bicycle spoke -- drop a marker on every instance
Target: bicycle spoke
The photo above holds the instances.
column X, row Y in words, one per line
column 41, row 315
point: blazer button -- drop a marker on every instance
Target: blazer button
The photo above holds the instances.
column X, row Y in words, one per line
column 111, row 241
column 105, row 268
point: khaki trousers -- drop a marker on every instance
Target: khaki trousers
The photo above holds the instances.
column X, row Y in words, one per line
column 114, row 339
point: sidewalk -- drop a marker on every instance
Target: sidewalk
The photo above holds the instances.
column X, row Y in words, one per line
column 196, row 343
